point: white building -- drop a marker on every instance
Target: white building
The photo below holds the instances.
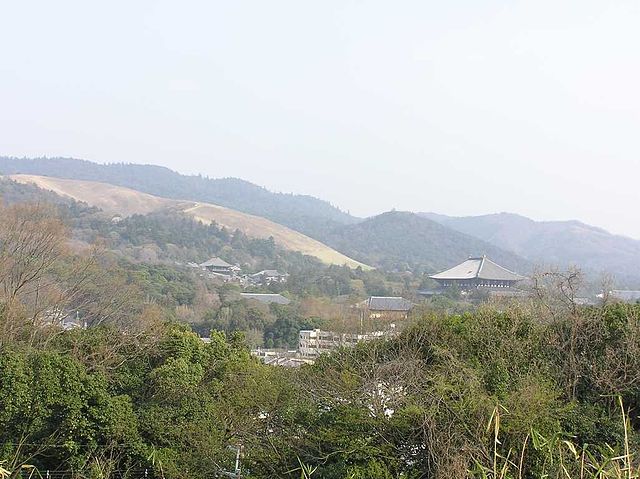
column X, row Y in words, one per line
column 314, row 342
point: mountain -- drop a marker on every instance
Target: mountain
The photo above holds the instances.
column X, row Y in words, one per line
column 303, row 213
column 400, row 240
column 560, row 243
column 125, row 201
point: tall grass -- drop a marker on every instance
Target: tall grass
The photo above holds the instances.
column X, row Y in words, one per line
column 558, row 456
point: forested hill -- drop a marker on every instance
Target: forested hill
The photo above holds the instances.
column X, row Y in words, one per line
column 304, row 213
column 561, row 243
column 402, row 240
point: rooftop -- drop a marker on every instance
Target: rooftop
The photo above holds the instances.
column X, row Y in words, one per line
column 216, row 263
column 478, row 268
column 388, row 303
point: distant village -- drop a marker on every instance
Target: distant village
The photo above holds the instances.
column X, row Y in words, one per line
column 217, row 268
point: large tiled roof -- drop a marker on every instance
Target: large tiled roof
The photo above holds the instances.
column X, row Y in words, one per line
column 480, row 268
column 266, row 298
column 388, row 303
column 216, row 263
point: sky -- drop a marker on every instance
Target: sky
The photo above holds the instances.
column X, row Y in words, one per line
column 459, row 107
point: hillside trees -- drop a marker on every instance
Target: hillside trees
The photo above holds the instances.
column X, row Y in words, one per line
column 57, row 414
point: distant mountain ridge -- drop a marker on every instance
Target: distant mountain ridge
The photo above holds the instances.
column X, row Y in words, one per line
column 561, row 243
column 403, row 240
column 303, row 213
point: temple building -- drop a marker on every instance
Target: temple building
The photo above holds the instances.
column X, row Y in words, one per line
column 219, row 266
column 477, row 272
column 391, row 308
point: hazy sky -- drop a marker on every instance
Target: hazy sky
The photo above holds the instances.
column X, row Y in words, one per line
column 459, row 107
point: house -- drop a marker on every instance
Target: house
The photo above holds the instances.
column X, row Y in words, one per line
column 392, row 308
column 477, row 272
column 268, row 276
column 219, row 266
column 266, row 298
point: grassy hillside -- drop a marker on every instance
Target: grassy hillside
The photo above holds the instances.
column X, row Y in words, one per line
column 400, row 240
column 560, row 243
column 109, row 198
column 300, row 212
column 125, row 201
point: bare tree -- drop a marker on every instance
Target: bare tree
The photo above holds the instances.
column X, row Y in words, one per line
column 32, row 239
column 557, row 291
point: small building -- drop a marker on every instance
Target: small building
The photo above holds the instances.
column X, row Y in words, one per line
column 314, row 342
column 220, row 266
column 266, row 298
column 392, row 308
column 475, row 273
column 268, row 276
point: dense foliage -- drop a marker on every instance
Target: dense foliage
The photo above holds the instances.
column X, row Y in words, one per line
column 98, row 401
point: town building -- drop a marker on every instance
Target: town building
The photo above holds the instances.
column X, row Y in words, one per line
column 314, row 342
column 478, row 272
column 266, row 298
column 385, row 308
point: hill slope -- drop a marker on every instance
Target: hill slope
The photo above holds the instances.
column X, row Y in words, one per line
column 400, row 240
column 560, row 243
column 301, row 212
column 125, row 201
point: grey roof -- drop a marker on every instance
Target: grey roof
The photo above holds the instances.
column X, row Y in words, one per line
column 480, row 268
column 388, row 303
column 215, row 262
column 266, row 298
